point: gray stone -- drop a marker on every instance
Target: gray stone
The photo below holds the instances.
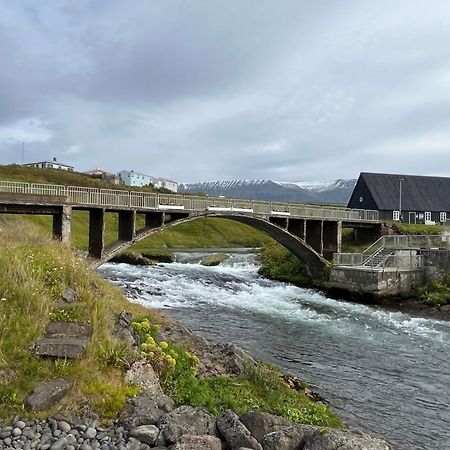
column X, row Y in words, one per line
column 60, row 444
column 145, row 433
column 259, row 423
column 235, row 432
column 7, row 441
column 5, row 432
column 331, row 439
column 68, row 330
column 29, row 433
column 133, row 444
column 190, row 442
column 141, row 374
column 146, row 409
column 20, row 424
column 69, row 295
column 90, row 433
column 71, row 348
column 47, row 394
column 85, row 446
column 17, row 432
column 186, row 420
column 287, row 438
column 64, row 426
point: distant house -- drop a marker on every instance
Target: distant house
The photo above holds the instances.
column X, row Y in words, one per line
column 405, row 198
column 50, row 165
column 104, row 175
column 132, row 178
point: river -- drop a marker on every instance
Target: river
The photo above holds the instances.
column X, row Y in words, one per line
column 382, row 371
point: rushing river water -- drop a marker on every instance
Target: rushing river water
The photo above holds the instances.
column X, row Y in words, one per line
column 382, row 371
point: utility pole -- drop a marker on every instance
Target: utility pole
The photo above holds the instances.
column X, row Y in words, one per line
column 400, row 201
column 23, row 151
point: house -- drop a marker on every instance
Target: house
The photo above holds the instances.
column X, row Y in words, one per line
column 50, row 165
column 132, row 178
column 405, row 198
column 104, row 175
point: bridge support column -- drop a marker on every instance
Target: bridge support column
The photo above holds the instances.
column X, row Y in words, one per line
column 154, row 219
column 96, row 232
column 314, row 235
column 332, row 239
column 367, row 233
column 297, row 227
column 62, row 224
column 127, row 225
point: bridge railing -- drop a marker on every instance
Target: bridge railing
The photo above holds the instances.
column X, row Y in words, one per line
column 88, row 196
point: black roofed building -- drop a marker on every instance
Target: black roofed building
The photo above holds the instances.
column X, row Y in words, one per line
column 409, row 198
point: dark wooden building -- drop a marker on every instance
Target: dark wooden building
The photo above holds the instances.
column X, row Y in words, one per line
column 409, row 198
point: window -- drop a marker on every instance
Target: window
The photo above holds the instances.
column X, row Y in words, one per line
column 361, row 199
column 395, row 215
column 443, row 217
column 427, row 216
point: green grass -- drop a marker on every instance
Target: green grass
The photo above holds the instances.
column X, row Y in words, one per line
column 35, row 272
column 436, row 292
column 258, row 388
column 417, row 228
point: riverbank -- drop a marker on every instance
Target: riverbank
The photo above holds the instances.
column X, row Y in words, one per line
column 43, row 287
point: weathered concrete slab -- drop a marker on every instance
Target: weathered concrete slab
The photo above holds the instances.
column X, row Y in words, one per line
column 47, row 394
column 61, row 347
column 68, row 330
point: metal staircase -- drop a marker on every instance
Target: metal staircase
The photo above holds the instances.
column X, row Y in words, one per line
column 379, row 258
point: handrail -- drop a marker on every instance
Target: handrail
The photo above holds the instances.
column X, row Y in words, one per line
column 86, row 196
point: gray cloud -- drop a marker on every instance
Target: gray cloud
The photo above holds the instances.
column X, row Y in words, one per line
column 218, row 90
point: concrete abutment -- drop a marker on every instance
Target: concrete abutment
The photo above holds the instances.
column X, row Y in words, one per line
column 96, row 232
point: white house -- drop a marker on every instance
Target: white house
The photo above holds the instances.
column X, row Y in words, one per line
column 50, row 165
column 132, row 178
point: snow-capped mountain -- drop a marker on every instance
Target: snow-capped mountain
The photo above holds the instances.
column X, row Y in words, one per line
column 338, row 191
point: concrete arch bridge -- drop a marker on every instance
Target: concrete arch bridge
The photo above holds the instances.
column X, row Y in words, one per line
column 311, row 232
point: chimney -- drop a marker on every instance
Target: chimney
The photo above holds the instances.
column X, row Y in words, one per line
column 54, row 158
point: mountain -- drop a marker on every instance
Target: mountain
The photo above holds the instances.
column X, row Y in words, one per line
column 338, row 191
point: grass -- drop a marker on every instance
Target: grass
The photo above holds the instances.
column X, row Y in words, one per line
column 417, row 228
column 278, row 263
column 436, row 292
column 258, row 388
column 35, row 272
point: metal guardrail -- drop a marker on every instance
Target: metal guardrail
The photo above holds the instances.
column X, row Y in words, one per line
column 86, row 196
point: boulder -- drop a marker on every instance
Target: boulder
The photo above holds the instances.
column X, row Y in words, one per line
column 260, row 423
column 186, row 420
column 235, row 432
column 145, row 433
column 61, row 348
column 141, row 374
column 191, row 442
column 47, row 394
column 68, row 330
column 331, row 439
column 146, row 409
column 69, row 295
column 290, row 438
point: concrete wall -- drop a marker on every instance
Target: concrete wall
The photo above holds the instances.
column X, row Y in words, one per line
column 389, row 281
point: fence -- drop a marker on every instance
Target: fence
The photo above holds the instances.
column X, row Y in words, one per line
column 86, row 196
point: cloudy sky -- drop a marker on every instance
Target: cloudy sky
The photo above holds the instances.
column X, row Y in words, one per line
column 216, row 90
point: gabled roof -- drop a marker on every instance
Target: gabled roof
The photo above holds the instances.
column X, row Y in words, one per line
column 419, row 193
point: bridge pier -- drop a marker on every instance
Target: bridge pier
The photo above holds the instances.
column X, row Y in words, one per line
column 154, row 219
column 297, row 227
column 96, row 232
column 127, row 225
column 314, row 235
column 62, row 224
column 332, row 238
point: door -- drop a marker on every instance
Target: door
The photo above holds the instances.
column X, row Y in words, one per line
column 412, row 217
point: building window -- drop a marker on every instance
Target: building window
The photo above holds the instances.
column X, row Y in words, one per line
column 443, row 217
column 396, row 215
column 361, row 199
column 427, row 216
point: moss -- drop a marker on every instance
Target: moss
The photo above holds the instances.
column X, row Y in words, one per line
column 214, row 260
column 159, row 255
column 132, row 258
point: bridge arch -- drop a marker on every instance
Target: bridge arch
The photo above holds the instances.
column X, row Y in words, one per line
column 314, row 262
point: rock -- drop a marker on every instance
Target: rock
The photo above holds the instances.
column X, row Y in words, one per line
column 90, row 433
column 47, row 394
column 214, row 259
column 124, row 319
column 141, row 374
column 235, row 432
column 20, row 424
column 146, row 409
column 133, row 444
column 61, row 348
column 190, row 442
column 64, row 426
column 69, row 295
column 60, row 444
column 17, row 432
column 331, row 439
column 259, row 423
column 145, row 433
column 6, row 376
column 68, row 330
column 288, row 438
column 186, row 420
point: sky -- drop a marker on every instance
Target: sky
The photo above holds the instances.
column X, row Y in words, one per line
column 218, row 90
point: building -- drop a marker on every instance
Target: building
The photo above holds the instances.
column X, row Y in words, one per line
column 50, row 165
column 104, row 175
column 405, row 198
column 132, row 178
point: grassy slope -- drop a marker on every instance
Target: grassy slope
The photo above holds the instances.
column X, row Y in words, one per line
column 35, row 272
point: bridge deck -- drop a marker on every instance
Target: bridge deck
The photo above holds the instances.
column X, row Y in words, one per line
column 114, row 200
